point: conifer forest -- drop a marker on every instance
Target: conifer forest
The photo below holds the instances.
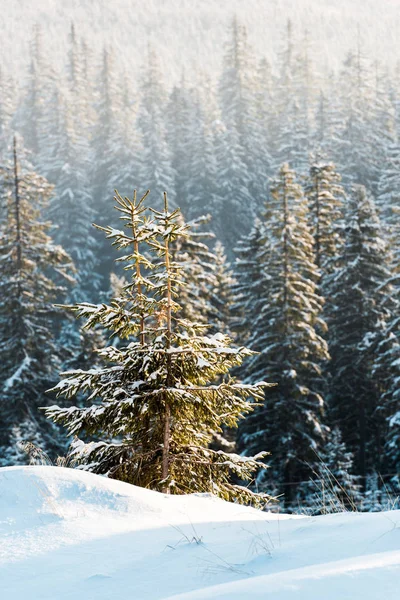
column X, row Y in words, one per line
column 199, row 268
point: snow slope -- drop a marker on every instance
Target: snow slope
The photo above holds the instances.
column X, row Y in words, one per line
column 68, row 534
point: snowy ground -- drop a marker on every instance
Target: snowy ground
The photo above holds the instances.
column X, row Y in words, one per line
column 65, row 534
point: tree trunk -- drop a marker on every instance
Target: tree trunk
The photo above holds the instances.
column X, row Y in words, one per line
column 167, row 414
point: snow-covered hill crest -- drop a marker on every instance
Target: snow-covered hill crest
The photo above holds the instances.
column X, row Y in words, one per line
column 65, row 533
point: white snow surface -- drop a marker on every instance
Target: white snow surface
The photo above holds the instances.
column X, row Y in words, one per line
column 67, row 534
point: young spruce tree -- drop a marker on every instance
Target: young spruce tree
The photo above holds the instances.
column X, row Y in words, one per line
column 156, row 406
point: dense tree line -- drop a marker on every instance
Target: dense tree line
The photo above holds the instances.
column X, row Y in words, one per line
column 318, row 295
column 299, row 172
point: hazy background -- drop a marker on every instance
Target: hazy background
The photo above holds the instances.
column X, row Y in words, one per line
column 188, row 32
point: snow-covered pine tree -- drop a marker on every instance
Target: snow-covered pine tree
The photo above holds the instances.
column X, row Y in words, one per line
column 386, row 371
column 180, row 127
column 320, row 133
column 30, row 111
column 384, row 121
column 328, row 118
column 284, row 332
column 234, row 187
column 7, row 107
column 157, row 172
column 156, row 406
column 222, row 299
column 239, row 142
column 293, row 103
column 197, row 270
column 283, row 90
column 202, row 191
column 386, row 365
column 266, row 113
column 71, row 209
column 30, row 270
column 79, row 82
column 103, row 138
column 220, row 320
column 388, row 195
column 127, row 172
column 106, row 145
column 356, row 145
column 388, row 199
column 325, row 199
column 362, row 303
column 252, row 282
column 301, row 112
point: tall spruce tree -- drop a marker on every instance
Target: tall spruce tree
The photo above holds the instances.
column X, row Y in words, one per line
column 325, row 199
column 155, row 400
column 31, row 267
column 252, row 281
column 127, row 169
column 284, row 332
column 72, row 210
column 238, row 144
column 362, row 302
column 30, row 111
column 106, row 148
column 356, row 145
column 386, row 372
column 157, row 172
column 222, row 299
column 202, row 186
column 7, row 107
column 294, row 89
column 180, row 129
column 197, row 270
column 388, row 199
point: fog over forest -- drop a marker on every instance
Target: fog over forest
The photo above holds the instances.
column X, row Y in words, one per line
column 191, row 35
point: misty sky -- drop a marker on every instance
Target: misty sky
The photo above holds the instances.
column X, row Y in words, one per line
column 188, row 33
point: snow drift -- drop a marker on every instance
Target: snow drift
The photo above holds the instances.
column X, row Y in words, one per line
column 66, row 534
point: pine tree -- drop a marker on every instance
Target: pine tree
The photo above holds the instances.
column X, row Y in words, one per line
column 157, row 172
column 127, row 171
column 31, row 269
column 325, row 194
column 220, row 317
column 156, row 404
column 357, row 145
column 202, row 189
column 197, row 264
column 7, row 107
column 106, row 146
column 388, row 199
column 72, row 210
column 30, row 111
column 180, row 127
column 284, row 332
column 362, row 302
column 386, row 375
column 293, row 104
column 234, row 188
column 252, row 282
column 241, row 149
